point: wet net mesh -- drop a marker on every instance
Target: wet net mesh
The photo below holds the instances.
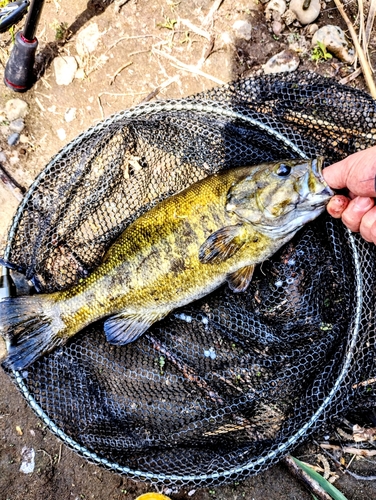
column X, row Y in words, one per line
column 230, row 384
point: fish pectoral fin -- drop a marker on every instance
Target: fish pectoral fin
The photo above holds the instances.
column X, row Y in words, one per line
column 222, row 244
column 124, row 328
column 240, row 279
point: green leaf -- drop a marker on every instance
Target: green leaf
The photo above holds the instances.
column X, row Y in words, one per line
column 325, row 485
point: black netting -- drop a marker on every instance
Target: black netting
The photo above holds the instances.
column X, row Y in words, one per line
column 230, row 384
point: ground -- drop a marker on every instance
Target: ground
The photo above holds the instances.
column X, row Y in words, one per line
column 142, row 48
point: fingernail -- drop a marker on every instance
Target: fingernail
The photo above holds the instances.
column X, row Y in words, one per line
column 362, row 202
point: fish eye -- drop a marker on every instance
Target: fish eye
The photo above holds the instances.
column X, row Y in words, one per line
column 283, row 170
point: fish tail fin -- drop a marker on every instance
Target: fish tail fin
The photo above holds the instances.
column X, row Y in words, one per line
column 30, row 329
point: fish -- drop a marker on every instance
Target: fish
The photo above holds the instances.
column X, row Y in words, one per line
column 182, row 249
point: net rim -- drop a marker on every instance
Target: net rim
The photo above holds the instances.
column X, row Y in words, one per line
column 222, row 110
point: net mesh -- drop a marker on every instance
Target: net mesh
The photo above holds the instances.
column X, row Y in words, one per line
column 228, row 385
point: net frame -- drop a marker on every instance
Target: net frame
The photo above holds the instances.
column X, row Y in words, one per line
column 221, row 110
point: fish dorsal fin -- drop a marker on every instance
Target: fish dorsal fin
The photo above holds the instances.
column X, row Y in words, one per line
column 222, row 244
column 124, row 328
column 240, row 279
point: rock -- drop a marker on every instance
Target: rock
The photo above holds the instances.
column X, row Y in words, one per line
column 311, row 29
column 275, row 9
column 61, row 134
column 87, row 40
column 298, row 44
column 28, row 460
column 289, row 17
column 305, row 16
column 70, row 114
column 277, row 27
column 17, row 125
column 243, row 29
column 65, row 69
column 3, row 157
column 23, row 139
column 13, row 139
column 335, row 42
column 285, row 61
column 16, row 108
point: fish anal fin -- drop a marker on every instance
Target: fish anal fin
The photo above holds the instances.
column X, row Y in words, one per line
column 124, row 328
column 240, row 279
column 222, row 244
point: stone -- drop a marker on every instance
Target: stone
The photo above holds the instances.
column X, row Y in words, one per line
column 277, row 27
column 16, row 108
column 243, row 29
column 70, row 114
column 311, row 29
column 87, row 40
column 28, row 460
column 275, row 9
column 289, row 17
column 305, row 16
column 335, row 42
column 13, row 139
column 62, row 135
column 17, row 125
column 3, row 157
column 285, row 61
column 65, row 69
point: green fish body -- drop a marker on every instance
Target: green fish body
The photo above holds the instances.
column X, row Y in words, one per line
column 179, row 251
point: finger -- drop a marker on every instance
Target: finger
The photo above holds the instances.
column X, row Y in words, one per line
column 368, row 226
column 355, row 211
column 357, row 172
column 337, row 205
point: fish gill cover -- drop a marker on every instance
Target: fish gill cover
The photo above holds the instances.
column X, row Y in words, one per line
column 226, row 386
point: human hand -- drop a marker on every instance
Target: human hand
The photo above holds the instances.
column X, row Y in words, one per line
column 357, row 173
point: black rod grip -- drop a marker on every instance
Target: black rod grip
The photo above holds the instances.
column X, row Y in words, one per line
column 19, row 69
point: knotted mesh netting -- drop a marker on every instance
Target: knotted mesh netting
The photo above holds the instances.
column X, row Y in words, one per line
column 228, row 385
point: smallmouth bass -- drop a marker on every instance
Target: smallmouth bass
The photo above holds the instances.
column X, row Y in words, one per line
column 184, row 248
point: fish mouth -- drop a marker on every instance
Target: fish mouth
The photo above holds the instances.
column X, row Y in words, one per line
column 314, row 191
column 317, row 172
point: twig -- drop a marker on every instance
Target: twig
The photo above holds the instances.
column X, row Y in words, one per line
column 195, row 29
column 187, row 371
column 362, row 59
column 302, row 476
column 59, row 457
column 370, row 381
column 116, row 95
column 351, row 77
column 156, row 91
column 359, row 451
column 346, row 471
column 46, row 453
column 206, row 52
column 118, row 71
column 370, row 19
column 128, row 38
column 361, row 25
column 209, row 18
column 16, row 189
column 40, row 105
column 192, row 69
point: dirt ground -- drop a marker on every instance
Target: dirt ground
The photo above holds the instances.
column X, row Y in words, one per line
column 142, row 47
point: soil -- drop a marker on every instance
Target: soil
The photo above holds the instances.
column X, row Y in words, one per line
column 132, row 62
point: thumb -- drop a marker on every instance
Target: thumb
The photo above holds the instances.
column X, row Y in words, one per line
column 357, row 173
